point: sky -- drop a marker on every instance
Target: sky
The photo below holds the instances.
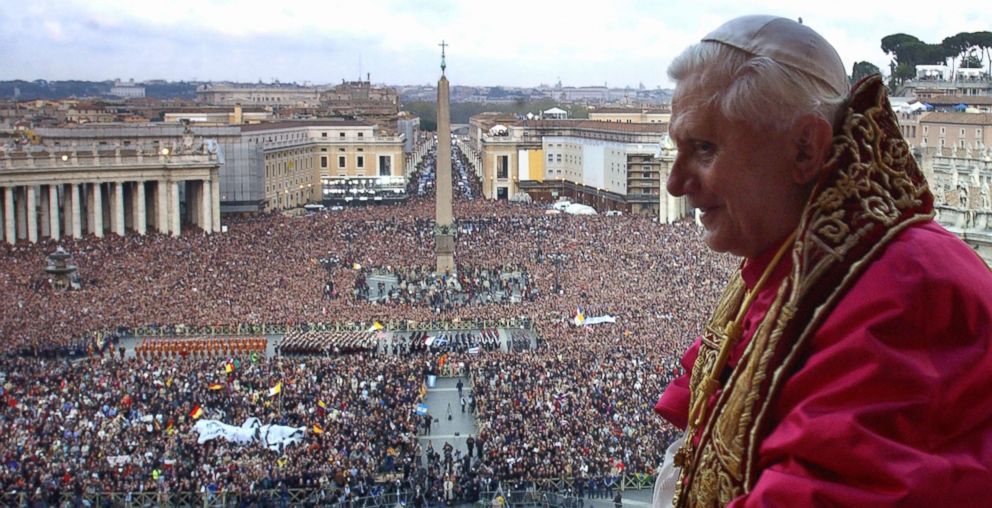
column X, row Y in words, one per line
column 504, row 42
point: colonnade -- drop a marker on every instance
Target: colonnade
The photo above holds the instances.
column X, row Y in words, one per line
column 35, row 211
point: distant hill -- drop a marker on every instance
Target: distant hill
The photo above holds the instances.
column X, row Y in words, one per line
column 42, row 89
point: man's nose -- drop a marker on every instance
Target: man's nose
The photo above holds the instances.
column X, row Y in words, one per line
column 679, row 178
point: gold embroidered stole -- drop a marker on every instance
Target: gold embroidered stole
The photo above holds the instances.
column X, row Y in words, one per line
column 870, row 191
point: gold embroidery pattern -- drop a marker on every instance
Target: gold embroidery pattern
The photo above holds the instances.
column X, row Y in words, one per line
column 871, row 191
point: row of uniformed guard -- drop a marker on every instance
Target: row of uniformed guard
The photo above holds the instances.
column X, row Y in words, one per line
column 201, row 347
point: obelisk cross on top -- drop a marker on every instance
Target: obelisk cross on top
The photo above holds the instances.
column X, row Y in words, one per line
column 444, row 231
column 443, row 45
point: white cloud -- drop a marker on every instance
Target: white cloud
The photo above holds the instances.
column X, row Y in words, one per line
column 512, row 42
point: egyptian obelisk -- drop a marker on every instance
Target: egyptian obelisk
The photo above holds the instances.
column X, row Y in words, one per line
column 444, row 236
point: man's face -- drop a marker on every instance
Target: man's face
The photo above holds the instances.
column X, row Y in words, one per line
column 739, row 177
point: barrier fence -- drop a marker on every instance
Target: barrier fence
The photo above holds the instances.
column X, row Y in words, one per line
column 551, row 493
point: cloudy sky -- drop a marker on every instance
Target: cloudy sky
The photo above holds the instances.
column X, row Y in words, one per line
column 505, row 42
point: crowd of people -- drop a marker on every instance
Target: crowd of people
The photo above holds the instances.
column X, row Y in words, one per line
column 444, row 291
column 577, row 406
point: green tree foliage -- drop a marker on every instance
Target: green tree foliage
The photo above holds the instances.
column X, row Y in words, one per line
column 862, row 69
column 907, row 52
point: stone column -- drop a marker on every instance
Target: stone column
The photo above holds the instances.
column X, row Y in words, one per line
column 215, row 202
column 206, row 222
column 21, row 212
column 9, row 232
column 77, row 216
column 117, row 208
column 138, row 211
column 94, row 208
column 175, row 213
column 162, row 206
column 54, row 231
column 45, row 224
column 32, row 213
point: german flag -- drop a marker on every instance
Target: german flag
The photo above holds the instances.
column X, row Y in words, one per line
column 196, row 412
column 216, row 386
column 317, row 429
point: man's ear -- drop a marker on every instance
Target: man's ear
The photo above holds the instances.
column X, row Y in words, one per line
column 811, row 137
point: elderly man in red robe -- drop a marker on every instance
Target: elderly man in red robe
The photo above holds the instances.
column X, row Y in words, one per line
column 848, row 362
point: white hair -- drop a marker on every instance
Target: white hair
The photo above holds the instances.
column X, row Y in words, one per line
column 753, row 89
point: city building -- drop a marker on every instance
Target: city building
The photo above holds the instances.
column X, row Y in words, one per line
column 218, row 115
column 970, row 103
column 264, row 166
column 936, row 80
column 258, row 95
column 361, row 99
column 631, row 115
column 305, row 160
column 607, row 165
column 50, row 192
column 955, row 130
column 127, row 90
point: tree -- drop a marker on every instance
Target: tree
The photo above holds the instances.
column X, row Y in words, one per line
column 893, row 45
column 862, row 69
column 983, row 42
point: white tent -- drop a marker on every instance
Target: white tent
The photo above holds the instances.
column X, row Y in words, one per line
column 577, row 209
column 498, row 130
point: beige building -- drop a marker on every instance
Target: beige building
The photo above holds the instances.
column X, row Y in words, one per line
column 955, row 131
column 607, row 165
column 302, row 158
column 219, row 115
column 71, row 191
column 271, row 95
column 264, row 166
column 631, row 115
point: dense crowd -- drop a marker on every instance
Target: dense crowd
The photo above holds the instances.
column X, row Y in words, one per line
column 125, row 425
column 444, row 291
column 578, row 406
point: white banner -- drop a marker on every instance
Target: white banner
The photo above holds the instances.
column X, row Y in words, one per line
column 600, row 319
column 270, row 436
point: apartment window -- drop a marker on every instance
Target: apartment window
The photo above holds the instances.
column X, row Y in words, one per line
column 978, row 133
column 323, row 162
column 340, row 149
column 360, row 161
column 341, row 161
column 558, row 158
column 503, row 166
column 361, row 134
column 926, row 128
column 962, row 133
column 551, row 157
column 340, row 134
column 942, row 131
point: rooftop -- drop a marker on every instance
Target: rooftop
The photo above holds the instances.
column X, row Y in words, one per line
column 952, row 100
column 293, row 124
column 958, row 118
column 657, row 128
